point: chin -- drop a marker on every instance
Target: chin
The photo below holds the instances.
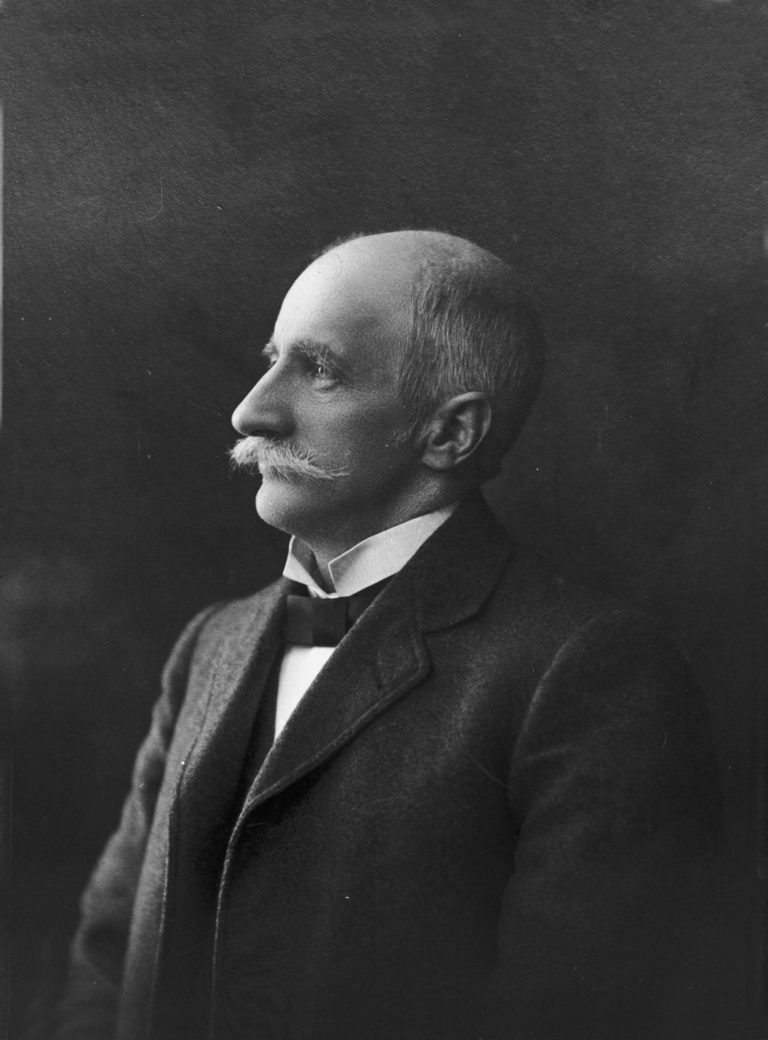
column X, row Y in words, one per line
column 285, row 505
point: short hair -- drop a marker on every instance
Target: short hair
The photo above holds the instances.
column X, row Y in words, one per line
column 470, row 329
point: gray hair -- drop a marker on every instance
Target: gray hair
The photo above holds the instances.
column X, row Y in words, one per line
column 470, row 329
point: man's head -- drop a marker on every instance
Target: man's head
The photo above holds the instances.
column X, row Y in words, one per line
column 402, row 366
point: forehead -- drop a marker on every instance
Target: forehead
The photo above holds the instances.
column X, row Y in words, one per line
column 355, row 302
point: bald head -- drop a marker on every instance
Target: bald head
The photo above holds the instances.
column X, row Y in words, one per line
column 461, row 321
column 414, row 249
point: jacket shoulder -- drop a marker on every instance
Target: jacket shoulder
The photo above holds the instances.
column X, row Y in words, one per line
column 203, row 638
column 543, row 618
column 528, row 587
column 223, row 617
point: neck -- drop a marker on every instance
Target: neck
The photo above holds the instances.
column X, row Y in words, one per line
column 324, row 550
column 320, row 571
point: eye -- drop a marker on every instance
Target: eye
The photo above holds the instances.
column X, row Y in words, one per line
column 321, row 372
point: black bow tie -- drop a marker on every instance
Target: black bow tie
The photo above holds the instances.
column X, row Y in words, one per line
column 312, row 621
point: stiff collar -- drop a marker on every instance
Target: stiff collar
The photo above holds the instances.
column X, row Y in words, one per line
column 371, row 560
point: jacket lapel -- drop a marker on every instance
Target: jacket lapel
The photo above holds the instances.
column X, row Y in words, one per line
column 204, row 805
column 384, row 656
column 207, row 789
column 377, row 661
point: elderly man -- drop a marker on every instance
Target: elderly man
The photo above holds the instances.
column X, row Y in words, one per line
column 415, row 789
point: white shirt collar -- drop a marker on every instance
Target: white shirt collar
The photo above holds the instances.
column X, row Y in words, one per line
column 371, row 560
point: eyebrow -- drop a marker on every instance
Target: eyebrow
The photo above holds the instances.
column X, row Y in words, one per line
column 313, row 349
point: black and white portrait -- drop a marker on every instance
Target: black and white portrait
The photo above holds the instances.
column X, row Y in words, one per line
column 382, row 568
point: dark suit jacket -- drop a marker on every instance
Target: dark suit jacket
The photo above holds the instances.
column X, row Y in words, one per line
column 490, row 816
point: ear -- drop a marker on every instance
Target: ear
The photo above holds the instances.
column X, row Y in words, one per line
column 456, row 430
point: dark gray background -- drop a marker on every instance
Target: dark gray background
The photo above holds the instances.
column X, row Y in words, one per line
column 170, row 168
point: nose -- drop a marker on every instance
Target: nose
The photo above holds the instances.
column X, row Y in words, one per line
column 263, row 411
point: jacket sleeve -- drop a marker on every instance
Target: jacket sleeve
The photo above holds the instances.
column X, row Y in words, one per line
column 89, row 1007
column 613, row 788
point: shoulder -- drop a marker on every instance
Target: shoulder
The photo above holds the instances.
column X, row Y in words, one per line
column 472, row 571
column 601, row 666
column 584, row 654
column 531, row 602
column 228, row 616
column 220, row 625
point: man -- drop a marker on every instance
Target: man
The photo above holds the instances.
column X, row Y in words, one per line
column 483, row 805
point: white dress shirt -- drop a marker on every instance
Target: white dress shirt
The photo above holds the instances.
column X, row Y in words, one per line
column 365, row 564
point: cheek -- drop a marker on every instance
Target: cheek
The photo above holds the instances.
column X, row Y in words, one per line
column 388, row 429
column 383, row 451
column 370, row 436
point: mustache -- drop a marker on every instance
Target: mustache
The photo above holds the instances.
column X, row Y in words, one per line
column 281, row 459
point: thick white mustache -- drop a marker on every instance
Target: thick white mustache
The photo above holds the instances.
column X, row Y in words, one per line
column 256, row 454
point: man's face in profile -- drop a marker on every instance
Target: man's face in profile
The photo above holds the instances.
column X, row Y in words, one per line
column 333, row 447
